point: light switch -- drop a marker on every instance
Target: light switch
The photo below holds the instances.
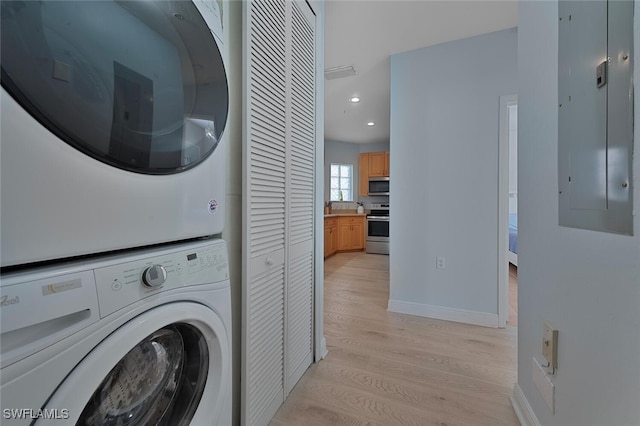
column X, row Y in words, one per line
column 550, row 344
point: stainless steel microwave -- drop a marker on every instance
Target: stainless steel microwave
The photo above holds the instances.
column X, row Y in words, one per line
column 379, row 186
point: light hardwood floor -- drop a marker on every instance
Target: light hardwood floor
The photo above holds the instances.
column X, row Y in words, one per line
column 393, row 369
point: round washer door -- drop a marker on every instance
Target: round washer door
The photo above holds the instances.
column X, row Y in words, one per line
column 168, row 366
column 139, row 85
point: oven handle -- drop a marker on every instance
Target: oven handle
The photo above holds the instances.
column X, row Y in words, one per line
column 380, row 218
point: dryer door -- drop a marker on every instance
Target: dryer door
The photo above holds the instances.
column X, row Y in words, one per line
column 155, row 370
column 139, row 85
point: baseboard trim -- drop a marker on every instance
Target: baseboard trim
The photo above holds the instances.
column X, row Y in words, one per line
column 449, row 314
column 323, row 347
column 523, row 409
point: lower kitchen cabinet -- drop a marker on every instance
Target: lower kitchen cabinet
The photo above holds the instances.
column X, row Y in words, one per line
column 343, row 234
column 351, row 233
column 330, row 236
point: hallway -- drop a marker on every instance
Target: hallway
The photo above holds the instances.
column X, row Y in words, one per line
column 392, row 369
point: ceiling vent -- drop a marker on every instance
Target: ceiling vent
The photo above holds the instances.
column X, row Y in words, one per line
column 339, row 72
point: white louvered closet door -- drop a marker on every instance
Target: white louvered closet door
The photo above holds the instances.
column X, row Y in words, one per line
column 265, row 207
column 278, row 248
column 301, row 162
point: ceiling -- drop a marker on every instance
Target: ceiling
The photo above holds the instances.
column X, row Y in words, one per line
column 364, row 33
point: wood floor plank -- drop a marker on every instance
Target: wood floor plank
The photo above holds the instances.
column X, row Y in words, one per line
column 387, row 369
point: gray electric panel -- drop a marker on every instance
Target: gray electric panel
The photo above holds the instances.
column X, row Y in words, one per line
column 595, row 115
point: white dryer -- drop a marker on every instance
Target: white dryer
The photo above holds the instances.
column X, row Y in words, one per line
column 112, row 114
column 126, row 340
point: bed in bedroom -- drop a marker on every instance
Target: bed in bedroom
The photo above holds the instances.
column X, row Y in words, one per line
column 512, row 255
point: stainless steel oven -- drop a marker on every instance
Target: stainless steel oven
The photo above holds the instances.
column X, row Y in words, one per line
column 378, row 229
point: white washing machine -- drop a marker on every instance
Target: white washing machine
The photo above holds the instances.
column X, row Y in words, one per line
column 112, row 114
column 125, row 340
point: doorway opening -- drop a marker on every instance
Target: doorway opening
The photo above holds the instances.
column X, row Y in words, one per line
column 508, row 212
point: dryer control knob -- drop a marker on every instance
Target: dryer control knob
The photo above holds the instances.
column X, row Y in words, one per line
column 154, row 276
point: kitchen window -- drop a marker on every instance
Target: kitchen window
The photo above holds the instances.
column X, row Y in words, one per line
column 341, row 181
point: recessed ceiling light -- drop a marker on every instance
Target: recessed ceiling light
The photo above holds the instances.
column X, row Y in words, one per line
column 371, row 123
column 355, row 99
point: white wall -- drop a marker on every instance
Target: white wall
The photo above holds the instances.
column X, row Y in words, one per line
column 374, row 147
column 587, row 284
column 349, row 153
column 444, row 175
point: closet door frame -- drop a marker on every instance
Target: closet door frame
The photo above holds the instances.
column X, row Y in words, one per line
column 320, row 346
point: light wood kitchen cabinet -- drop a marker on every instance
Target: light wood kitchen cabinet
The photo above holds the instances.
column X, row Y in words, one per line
column 330, row 236
column 387, row 171
column 364, row 174
column 377, row 166
column 372, row 164
column 351, row 233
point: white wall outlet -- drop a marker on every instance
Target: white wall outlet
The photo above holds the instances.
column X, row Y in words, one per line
column 544, row 385
column 440, row 263
column 550, row 344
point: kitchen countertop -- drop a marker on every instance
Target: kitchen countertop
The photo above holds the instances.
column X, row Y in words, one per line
column 344, row 214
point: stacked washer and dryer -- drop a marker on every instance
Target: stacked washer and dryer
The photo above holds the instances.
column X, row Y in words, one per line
column 114, row 294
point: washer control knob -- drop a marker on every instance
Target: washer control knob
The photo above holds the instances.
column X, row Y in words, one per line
column 154, row 276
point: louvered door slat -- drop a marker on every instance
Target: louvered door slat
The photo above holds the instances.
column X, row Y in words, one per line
column 303, row 165
column 270, row 153
column 264, row 97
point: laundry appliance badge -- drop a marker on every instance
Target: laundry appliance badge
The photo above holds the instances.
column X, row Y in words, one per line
column 213, row 206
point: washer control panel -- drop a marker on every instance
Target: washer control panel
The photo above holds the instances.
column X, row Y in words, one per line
column 122, row 284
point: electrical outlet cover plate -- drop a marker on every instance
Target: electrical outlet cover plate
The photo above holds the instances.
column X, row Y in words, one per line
column 550, row 344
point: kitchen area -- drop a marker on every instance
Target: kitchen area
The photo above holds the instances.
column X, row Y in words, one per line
column 356, row 214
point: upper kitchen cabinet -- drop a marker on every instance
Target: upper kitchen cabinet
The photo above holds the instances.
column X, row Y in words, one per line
column 378, row 164
column 386, row 164
column 372, row 164
column 364, row 174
